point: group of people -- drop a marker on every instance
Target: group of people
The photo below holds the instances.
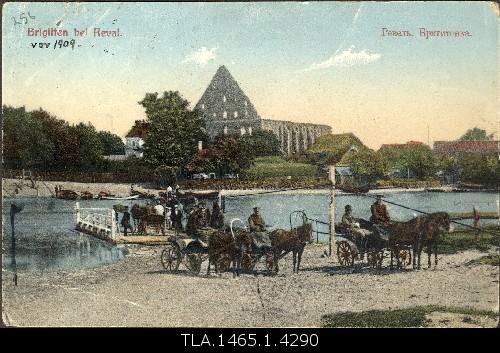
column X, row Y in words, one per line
column 380, row 220
column 200, row 217
column 172, row 213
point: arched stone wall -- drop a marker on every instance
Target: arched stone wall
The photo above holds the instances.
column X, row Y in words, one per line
column 295, row 137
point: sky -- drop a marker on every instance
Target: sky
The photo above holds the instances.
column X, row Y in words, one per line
column 317, row 62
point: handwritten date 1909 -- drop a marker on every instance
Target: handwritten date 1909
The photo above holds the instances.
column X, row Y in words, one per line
column 57, row 44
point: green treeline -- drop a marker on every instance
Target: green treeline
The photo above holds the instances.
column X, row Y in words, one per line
column 38, row 140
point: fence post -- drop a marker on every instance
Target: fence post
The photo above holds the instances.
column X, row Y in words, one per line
column 498, row 210
column 77, row 209
column 317, row 234
column 332, row 241
column 113, row 224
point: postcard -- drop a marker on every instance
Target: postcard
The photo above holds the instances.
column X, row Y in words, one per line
column 250, row 165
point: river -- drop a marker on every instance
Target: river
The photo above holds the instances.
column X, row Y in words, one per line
column 46, row 241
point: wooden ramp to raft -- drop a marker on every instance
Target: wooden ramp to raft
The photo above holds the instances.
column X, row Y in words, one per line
column 149, row 239
column 143, row 239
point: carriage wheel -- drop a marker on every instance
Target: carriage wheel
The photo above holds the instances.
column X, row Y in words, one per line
column 345, row 254
column 193, row 263
column 270, row 262
column 171, row 258
column 405, row 257
column 373, row 258
column 223, row 263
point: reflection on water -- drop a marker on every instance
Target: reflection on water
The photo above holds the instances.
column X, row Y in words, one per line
column 59, row 252
column 46, row 241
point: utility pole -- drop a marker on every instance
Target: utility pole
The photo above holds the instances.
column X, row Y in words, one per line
column 13, row 210
column 332, row 241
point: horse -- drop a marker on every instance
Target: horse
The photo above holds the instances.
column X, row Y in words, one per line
column 139, row 213
column 225, row 246
column 436, row 223
column 295, row 240
column 417, row 232
column 155, row 220
column 405, row 234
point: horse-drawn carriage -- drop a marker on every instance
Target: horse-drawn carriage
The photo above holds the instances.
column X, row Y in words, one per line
column 374, row 245
column 399, row 240
column 190, row 252
column 238, row 247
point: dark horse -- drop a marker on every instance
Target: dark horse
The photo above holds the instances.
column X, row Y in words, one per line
column 436, row 224
column 295, row 240
column 417, row 232
column 139, row 215
column 226, row 248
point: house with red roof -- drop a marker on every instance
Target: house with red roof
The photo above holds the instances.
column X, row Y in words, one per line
column 478, row 147
column 135, row 139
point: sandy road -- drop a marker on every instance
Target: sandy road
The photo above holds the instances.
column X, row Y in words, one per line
column 137, row 292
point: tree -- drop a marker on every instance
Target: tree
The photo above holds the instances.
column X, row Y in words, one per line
column 367, row 165
column 66, row 144
column 111, row 143
column 90, row 146
column 420, row 161
column 174, row 131
column 476, row 134
column 479, row 169
column 262, row 143
column 25, row 143
column 416, row 159
column 228, row 154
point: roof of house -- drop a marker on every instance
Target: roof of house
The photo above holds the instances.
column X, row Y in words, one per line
column 474, row 147
column 140, row 129
column 337, row 147
column 404, row 145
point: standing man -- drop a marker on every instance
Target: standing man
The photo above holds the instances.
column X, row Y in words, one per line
column 126, row 221
column 177, row 219
column 193, row 222
column 217, row 217
column 169, row 192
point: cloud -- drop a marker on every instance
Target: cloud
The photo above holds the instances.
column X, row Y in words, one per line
column 346, row 58
column 201, row 57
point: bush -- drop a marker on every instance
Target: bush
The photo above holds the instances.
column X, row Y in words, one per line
column 408, row 183
column 166, row 175
column 268, row 167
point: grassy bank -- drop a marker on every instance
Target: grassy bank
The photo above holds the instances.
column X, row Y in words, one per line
column 410, row 317
column 493, row 260
column 462, row 240
column 269, row 167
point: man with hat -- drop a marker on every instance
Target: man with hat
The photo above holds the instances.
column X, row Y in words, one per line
column 126, row 221
column 380, row 215
column 260, row 237
column 352, row 223
column 176, row 217
column 256, row 222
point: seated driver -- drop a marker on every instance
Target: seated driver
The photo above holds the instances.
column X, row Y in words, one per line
column 256, row 222
column 258, row 230
column 352, row 224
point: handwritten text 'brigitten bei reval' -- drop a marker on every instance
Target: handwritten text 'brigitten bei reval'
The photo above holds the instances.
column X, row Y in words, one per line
column 77, row 33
